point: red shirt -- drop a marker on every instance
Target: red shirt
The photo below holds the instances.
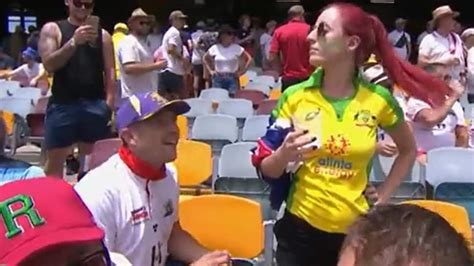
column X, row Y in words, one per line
column 290, row 40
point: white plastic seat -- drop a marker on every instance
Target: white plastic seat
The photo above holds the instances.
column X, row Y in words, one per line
column 20, row 106
column 9, row 85
column 450, row 164
column 199, row 107
column 255, row 127
column 27, row 93
column 258, row 86
column 240, row 108
column 251, row 74
column 267, row 80
column 214, row 94
column 235, row 161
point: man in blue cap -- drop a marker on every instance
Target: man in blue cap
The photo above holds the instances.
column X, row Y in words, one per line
column 26, row 72
column 134, row 195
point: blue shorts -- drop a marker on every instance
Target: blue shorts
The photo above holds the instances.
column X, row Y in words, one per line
column 227, row 81
column 81, row 121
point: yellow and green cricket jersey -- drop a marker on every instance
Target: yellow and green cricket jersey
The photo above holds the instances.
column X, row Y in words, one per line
column 327, row 190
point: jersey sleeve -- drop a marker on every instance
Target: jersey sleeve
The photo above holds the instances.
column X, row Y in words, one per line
column 212, row 50
column 391, row 114
column 425, row 46
column 100, row 204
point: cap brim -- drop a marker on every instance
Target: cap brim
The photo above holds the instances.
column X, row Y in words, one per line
column 67, row 236
column 178, row 107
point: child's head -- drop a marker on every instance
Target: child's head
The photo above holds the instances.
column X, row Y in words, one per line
column 403, row 235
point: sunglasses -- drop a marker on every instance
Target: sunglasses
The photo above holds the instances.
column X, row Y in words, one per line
column 85, row 5
column 143, row 23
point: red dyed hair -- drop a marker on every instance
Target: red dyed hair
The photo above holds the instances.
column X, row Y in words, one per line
column 373, row 39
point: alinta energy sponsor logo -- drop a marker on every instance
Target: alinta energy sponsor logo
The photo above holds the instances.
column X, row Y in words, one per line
column 334, row 165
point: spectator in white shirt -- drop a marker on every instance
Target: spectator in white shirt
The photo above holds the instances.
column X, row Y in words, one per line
column 443, row 46
column 226, row 61
column 429, row 29
column 438, row 126
column 266, row 42
column 137, row 65
column 401, row 40
column 155, row 38
column 134, row 196
column 26, row 72
column 196, row 58
column 468, row 38
column 171, row 80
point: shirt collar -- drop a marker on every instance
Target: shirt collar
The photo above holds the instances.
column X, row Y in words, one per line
column 316, row 79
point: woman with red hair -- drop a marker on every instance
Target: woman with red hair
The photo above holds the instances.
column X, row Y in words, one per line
column 317, row 151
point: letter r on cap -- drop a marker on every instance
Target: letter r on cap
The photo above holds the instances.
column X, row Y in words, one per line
column 27, row 209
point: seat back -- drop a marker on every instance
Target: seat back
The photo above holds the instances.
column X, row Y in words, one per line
column 193, row 162
column 199, row 107
column 182, row 122
column 449, row 165
column 251, row 74
column 9, row 85
column 461, row 194
column 255, row 127
column 20, row 106
column 257, row 86
column 256, row 97
column 235, row 161
column 382, row 166
column 101, row 152
column 9, row 120
column 240, row 108
column 27, row 93
column 244, row 80
column 454, row 214
column 266, row 107
column 406, row 191
column 215, row 127
column 224, row 222
column 275, row 93
column 214, row 94
column 265, row 79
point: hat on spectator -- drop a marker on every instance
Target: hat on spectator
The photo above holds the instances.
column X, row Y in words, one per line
column 467, row 33
column 35, row 219
column 444, row 11
column 30, row 53
column 142, row 106
column 177, row 14
column 121, row 26
column 139, row 13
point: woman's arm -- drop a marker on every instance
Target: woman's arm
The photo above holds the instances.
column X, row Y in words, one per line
column 403, row 164
column 247, row 59
column 208, row 63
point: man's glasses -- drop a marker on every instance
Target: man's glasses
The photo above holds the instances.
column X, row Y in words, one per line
column 85, row 5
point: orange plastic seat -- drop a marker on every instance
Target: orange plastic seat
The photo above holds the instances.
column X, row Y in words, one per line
column 275, row 94
column 182, row 122
column 224, row 222
column 244, row 80
column 193, row 162
column 456, row 215
column 9, row 119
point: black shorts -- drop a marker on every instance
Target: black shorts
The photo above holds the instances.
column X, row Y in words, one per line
column 301, row 244
column 170, row 82
column 198, row 70
column 81, row 121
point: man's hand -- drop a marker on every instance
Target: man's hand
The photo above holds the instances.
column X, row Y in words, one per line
column 84, row 34
column 215, row 258
column 161, row 64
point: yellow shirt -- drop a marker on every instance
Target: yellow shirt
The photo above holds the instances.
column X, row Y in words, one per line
column 116, row 38
column 327, row 190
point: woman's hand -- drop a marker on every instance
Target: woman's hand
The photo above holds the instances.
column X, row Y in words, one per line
column 295, row 146
column 371, row 194
column 387, row 149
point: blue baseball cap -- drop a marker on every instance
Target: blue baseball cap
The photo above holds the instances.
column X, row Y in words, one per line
column 30, row 53
column 142, row 106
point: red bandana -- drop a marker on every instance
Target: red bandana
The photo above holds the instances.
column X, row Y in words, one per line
column 140, row 167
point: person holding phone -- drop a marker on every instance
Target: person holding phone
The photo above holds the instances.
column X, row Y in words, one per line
column 325, row 193
column 79, row 53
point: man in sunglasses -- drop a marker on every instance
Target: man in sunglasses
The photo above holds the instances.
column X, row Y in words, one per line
column 42, row 228
column 80, row 54
column 136, row 62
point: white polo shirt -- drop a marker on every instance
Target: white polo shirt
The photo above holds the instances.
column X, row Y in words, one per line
column 173, row 37
column 134, row 50
column 443, row 134
column 137, row 215
column 226, row 59
column 437, row 48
